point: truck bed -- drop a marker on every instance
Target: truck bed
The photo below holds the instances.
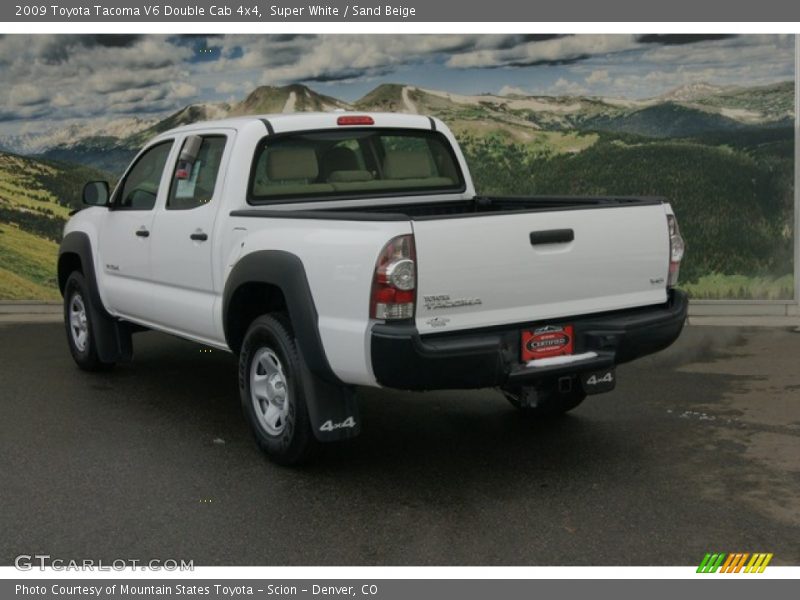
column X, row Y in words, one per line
column 480, row 205
column 542, row 257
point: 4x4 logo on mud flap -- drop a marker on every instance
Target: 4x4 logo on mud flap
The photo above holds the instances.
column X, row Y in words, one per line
column 329, row 425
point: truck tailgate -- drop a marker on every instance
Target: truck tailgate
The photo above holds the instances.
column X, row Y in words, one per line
column 493, row 269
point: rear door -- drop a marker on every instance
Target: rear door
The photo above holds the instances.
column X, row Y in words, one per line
column 512, row 268
column 183, row 241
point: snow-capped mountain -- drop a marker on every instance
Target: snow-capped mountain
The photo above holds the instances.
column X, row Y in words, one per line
column 36, row 143
column 689, row 110
column 691, row 92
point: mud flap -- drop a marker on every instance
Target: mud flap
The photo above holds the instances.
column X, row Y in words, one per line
column 332, row 409
column 113, row 339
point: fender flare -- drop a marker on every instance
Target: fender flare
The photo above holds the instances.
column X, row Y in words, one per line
column 113, row 339
column 285, row 271
column 330, row 402
column 77, row 242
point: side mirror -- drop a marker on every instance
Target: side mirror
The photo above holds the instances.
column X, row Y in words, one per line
column 95, row 193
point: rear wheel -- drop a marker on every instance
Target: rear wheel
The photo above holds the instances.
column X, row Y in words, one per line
column 546, row 399
column 78, row 320
column 272, row 391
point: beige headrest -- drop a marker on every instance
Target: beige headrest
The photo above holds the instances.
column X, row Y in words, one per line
column 405, row 164
column 290, row 164
column 347, row 176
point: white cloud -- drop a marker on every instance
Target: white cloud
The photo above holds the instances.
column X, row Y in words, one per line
column 598, row 76
column 60, row 100
column 511, row 90
column 85, row 76
column 26, row 94
column 553, row 51
column 181, row 90
column 283, row 59
column 563, row 87
column 226, row 87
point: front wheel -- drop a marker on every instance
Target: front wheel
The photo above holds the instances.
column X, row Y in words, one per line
column 78, row 320
column 272, row 391
column 547, row 399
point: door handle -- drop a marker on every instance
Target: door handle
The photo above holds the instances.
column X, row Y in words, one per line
column 142, row 232
column 199, row 236
column 552, row 236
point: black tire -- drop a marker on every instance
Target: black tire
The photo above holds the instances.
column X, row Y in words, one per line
column 550, row 401
column 287, row 439
column 79, row 325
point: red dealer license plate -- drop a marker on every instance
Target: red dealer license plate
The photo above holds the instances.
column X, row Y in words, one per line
column 547, row 341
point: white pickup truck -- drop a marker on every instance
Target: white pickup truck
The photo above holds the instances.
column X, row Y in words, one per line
column 336, row 250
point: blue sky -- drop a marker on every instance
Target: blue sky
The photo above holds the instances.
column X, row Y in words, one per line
column 48, row 81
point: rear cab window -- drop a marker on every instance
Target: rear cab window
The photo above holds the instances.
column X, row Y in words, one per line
column 353, row 162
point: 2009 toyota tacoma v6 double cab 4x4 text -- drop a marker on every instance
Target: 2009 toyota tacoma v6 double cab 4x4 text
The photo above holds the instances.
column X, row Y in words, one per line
column 336, row 250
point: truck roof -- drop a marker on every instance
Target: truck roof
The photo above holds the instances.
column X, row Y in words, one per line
column 287, row 122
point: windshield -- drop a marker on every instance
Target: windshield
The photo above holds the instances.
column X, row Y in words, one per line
column 353, row 162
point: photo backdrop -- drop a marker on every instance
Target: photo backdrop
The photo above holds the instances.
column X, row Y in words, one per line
column 706, row 121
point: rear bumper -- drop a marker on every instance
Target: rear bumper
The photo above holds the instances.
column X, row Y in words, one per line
column 403, row 359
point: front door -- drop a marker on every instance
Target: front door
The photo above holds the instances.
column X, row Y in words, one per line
column 125, row 236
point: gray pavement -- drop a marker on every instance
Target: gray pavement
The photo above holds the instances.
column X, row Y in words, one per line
column 697, row 450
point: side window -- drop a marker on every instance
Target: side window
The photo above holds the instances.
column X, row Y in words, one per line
column 140, row 188
column 196, row 188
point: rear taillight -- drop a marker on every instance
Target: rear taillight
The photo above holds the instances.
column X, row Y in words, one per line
column 676, row 249
column 394, row 284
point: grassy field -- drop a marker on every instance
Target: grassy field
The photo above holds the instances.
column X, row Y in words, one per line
column 740, row 287
column 537, row 142
column 36, row 197
column 27, row 265
column 21, row 190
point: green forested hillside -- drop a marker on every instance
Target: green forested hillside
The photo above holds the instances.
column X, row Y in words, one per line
column 773, row 101
column 35, row 199
column 665, row 120
column 106, row 154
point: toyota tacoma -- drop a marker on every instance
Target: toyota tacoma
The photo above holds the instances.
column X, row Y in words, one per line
column 335, row 250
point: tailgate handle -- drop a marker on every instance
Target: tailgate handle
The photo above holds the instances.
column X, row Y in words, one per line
column 552, row 236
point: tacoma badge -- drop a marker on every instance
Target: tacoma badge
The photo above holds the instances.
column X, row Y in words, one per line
column 444, row 301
